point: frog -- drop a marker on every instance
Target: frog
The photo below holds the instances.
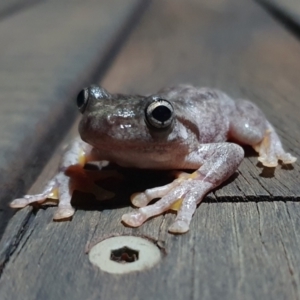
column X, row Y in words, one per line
column 197, row 132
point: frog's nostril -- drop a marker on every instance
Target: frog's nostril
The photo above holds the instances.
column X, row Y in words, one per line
column 111, row 120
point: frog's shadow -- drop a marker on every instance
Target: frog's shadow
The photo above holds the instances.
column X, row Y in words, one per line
column 136, row 180
column 137, row 183
column 249, row 151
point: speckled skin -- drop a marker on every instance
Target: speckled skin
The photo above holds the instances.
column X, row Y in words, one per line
column 113, row 128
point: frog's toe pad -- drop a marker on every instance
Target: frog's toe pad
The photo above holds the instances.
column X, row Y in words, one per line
column 139, row 199
column 28, row 199
column 287, row 158
column 134, row 219
column 179, row 227
column 270, row 162
column 63, row 213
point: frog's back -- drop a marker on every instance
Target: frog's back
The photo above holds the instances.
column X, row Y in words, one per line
column 205, row 111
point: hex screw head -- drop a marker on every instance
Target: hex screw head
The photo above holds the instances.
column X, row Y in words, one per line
column 124, row 254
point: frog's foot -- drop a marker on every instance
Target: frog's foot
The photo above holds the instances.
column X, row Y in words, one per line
column 142, row 199
column 186, row 191
column 57, row 188
column 28, row 199
column 60, row 189
column 270, row 150
column 50, row 192
column 84, row 183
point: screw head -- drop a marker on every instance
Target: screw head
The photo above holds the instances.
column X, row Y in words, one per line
column 124, row 254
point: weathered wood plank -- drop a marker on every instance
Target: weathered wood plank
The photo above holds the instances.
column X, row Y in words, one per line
column 285, row 9
column 47, row 54
column 233, row 250
column 10, row 7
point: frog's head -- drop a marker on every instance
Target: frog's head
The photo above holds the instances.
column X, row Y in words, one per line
column 112, row 118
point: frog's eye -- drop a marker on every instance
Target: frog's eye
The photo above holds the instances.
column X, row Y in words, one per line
column 159, row 113
column 82, row 100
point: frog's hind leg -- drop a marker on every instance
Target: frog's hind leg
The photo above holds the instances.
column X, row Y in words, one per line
column 270, row 149
column 248, row 125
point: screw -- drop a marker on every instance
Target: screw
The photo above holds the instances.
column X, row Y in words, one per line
column 124, row 254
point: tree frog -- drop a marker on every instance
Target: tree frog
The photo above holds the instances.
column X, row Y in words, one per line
column 178, row 128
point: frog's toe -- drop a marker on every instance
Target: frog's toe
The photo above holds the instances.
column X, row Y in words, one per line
column 287, row 158
column 139, row 199
column 19, row 203
column 134, row 219
column 28, row 199
column 179, row 226
column 64, row 213
column 142, row 199
column 270, row 162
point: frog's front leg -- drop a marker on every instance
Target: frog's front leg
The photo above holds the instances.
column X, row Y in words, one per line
column 59, row 187
column 217, row 162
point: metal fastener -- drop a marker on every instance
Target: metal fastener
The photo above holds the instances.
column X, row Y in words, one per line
column 124, row 254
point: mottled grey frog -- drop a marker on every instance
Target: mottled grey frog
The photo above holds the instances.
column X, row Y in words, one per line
column 178, row 128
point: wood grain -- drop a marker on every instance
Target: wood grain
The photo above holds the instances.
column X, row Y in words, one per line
column 47, row 55
column 10, row 7
column 288, row 11
column 234, row 250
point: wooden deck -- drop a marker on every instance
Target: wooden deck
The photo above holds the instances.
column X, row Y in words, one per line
column 245, row 238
